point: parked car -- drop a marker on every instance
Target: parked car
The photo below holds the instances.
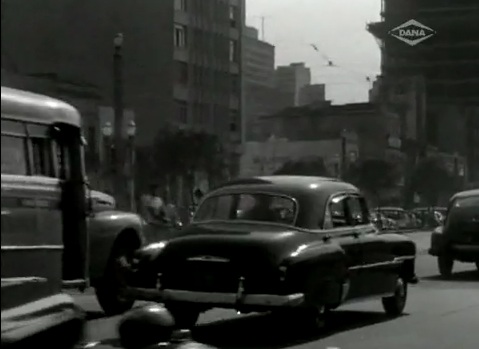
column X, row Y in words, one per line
column 430, row 216
column 458, row 238
column 398, row 215
column 292, row 243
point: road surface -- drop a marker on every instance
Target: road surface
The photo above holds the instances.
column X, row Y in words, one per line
column 440, row 314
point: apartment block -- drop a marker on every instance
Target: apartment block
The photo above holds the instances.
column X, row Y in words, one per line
column 181, row 59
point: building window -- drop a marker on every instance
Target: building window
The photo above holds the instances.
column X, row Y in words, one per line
column 180, row 5
column 181, row 111
column 233, row 16
column 181, row 71
column 234, row 121
column 233, row 51
column 235, row 84
column 180, row 35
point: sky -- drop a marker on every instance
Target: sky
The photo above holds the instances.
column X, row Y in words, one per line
column 337, row 28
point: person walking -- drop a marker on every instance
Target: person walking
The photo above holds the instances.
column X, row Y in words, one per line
column 152, row 205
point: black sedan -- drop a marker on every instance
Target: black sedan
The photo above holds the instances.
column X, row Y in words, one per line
column 299, row 244
column 458, row 238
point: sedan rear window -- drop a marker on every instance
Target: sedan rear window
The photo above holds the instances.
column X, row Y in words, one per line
column 257, row 207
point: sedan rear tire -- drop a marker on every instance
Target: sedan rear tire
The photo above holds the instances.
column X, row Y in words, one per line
column 445, row 265
column 395, row 304
column 312, row 319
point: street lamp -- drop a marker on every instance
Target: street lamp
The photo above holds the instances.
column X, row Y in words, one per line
column 107, row 132
column 131, row 133
column 342, row 166
column 118, row 40
column 107, row 129
column 131, row 129
column 118, row 106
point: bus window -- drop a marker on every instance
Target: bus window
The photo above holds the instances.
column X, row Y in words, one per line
column 62, row 154
column 42, row 157
column 14, row 155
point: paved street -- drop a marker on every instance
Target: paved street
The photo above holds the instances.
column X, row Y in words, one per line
column 440, row 314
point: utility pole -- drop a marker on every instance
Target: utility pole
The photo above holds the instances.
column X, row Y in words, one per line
column 262, row 27
column 118, row 105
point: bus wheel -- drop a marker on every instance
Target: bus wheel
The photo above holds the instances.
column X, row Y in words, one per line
column 109, row 290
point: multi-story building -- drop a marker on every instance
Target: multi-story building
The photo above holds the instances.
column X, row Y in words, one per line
column 182, row 60
column 449, row 60
column 289, row 81
column 258, row 65
column 311, row 94
column 260, row 94
column 448, row 63
column 378, row 132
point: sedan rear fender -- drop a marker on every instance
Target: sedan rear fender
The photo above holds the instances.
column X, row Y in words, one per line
column 316, row 256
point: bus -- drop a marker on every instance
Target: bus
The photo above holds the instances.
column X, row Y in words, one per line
column 43, row 219
column 57, row 232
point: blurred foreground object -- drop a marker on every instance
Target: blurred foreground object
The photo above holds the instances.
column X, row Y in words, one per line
column 54, row 322
column 152, row 326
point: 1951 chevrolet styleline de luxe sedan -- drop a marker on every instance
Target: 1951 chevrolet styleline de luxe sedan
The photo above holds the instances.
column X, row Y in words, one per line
column 296, row 243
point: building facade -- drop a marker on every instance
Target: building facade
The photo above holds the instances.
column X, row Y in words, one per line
column 289, row 81
column 258, row 65
column 311, row 94
column 447, row 63
column 182, row 59
column 260, row 93
column 264, row 158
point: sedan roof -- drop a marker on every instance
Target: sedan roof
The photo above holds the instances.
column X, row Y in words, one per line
column 466, row 194
column 291, row 185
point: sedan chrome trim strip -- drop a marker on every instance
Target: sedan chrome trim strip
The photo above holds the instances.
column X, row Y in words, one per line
column 394, row 262
column 32, row 247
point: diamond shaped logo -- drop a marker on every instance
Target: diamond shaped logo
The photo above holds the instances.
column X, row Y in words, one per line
column 412, row 32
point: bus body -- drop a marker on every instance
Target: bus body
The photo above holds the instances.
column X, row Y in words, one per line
column 57, row 233
column 43, row 217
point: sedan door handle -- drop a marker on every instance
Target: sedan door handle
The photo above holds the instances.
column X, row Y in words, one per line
column 327, row 237
column 356, row 234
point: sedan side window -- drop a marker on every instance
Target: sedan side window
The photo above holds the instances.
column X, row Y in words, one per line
column 337, row 216
column 358, row 211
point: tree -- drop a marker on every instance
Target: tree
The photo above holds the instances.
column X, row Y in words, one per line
column 312, row 167
column 430, row 178
column 374, row 176
column 179, row 154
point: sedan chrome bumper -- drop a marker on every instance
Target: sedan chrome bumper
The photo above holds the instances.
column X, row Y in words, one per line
column 267, row 300
column 229, row 300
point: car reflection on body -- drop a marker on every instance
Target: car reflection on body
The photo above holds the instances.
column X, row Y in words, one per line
column 296, row 243
column 458, row 238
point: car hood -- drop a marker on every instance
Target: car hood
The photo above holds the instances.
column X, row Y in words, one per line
column 243, row 243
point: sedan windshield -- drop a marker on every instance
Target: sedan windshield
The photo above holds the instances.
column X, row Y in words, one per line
column 248, row 207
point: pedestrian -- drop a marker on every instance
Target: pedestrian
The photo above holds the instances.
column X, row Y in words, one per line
column 152, row 326
column 152, row 208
